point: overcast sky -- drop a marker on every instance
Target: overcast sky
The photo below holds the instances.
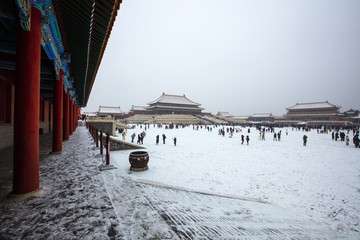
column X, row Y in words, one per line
column 237, row 56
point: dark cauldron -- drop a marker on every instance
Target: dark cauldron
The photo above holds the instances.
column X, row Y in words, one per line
column 138, row 161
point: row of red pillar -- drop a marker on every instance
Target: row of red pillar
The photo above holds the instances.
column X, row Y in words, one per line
column 65, row 115
column 26, row 111
column 95, row 134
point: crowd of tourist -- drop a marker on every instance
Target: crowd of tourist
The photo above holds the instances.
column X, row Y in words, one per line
column 337, row 134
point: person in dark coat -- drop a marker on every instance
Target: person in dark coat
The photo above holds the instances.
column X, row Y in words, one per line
column 138, row 139
column 157, row 139
column 247, row 139
column 174, row 139
column 132, row 137
column 163, row 137
column 242, row 139
column 356, row 140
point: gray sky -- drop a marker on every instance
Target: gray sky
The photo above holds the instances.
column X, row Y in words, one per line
column 237, row 56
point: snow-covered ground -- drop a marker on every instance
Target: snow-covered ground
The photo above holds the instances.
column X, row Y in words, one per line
column 320, row 181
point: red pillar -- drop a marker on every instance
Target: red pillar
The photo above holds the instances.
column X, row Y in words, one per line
column 26, row 112
column 58, row 114
column 101, row 142
column 70, row 116
column 66, row 116
column 74, row 115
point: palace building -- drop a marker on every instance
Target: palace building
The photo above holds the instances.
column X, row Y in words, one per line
column 106, row 111
column 261, row 117
column 316, row 111
column 174, row 104
column 138, row 110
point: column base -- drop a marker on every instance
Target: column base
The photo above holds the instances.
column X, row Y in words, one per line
column 26, row 196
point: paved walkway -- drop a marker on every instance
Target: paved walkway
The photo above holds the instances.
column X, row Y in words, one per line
column 80, row 202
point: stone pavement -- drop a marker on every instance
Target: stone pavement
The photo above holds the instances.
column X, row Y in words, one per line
column 80, row 202
column 194, row 215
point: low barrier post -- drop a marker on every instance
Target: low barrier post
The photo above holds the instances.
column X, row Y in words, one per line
column 107, row 149
column 101, row 142
column 96, row 137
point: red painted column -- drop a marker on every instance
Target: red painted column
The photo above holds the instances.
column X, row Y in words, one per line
column 26, row 112
column 101, row 142
column 74, row 115
column 58, row 114
column 66, row 117
column 70, row 116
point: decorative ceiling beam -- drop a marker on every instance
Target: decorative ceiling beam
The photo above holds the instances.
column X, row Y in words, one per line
column 50, row 34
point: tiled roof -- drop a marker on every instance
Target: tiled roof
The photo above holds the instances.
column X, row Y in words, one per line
column 262, row 115
column 174, row 107
column 224, row 114
column 174, row 99
column 138, row 108
column 107, row 109
column 313, row 105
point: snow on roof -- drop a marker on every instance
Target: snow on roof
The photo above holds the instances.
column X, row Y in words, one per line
column 224, row 114
column 241, row 117
column 313, row 105
column 262, row 115
column 174, row 107
column 91, row 114
column 107, row 109
column 174, row 99
column 138, row 108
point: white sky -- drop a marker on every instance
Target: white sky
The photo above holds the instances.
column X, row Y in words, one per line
column 239, row 56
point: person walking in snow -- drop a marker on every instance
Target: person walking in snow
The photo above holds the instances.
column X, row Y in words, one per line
column 247, row 139
column 347, row 140
column 174, row 139
column 157, row 139
column 142, row 135
column 275, row 138
column 242, row 139
column 304, row 140
column 356, row 140
column 263, row 136
column 138, row 139
column 132, row 137
column 279, row 135
column 163, row 137
column 123, row 135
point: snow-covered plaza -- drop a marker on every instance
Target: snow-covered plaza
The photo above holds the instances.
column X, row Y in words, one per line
column 320, row 181
column 206, row 187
